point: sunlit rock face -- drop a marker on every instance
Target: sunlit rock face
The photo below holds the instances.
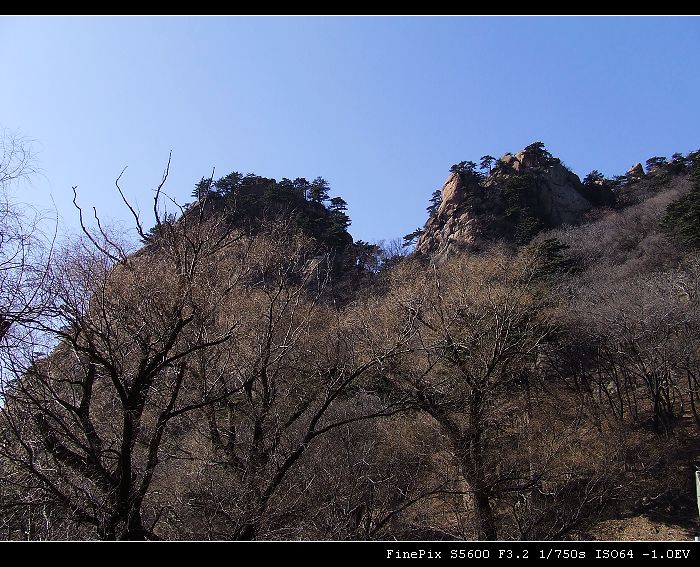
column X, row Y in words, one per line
column 523, row 193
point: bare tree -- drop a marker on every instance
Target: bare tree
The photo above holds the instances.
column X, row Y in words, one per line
column 17, row 157
column 209, row 348
column 480, row 323
column 23, row 245
column 642, row 337
column 296, row 359
column 87, row 424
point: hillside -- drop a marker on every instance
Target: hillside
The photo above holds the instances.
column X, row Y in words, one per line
column 531, row 372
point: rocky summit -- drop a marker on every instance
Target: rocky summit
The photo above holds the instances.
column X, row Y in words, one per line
column 522, row 194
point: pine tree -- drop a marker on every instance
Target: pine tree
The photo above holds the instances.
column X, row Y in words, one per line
column 412, row 237
column 682, row 218
column 655, row 163
column 486, row 162
column 435, row 201
column 228, row 184
column 595, row 177
column 318, row 191
column 464, row 167
column 202, row 188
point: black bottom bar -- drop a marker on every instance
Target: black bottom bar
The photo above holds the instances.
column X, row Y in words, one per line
column 398, row 552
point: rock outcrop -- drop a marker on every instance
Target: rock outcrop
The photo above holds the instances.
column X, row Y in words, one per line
column 560, row 195
column 524, row 193
column 636, row 171
column 453, row 226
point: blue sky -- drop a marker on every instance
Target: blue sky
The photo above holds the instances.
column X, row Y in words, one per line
column 380, row 107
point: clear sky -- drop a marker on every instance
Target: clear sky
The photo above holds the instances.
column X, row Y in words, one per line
column 380, row 107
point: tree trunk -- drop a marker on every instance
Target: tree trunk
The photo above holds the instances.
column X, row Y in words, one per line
column 475, row 471
column 485, row 522
column 134, row 528
column 468, row 448
column 246, row 532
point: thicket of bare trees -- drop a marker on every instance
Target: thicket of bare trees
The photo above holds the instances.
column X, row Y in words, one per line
column 206, row 359
column 22, row 241
column 208, row 386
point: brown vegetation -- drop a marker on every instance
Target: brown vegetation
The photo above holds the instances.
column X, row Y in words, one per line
column 211, row 386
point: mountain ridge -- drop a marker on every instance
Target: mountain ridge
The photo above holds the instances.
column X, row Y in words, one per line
column 526, row 193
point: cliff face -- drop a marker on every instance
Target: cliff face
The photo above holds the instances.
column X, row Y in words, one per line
column 523, row 194
column 454, row 225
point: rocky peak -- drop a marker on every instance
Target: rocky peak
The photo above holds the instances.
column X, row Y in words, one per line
column 521, row 160
column 525, row 192
column 636, row 171
column 452, row 193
